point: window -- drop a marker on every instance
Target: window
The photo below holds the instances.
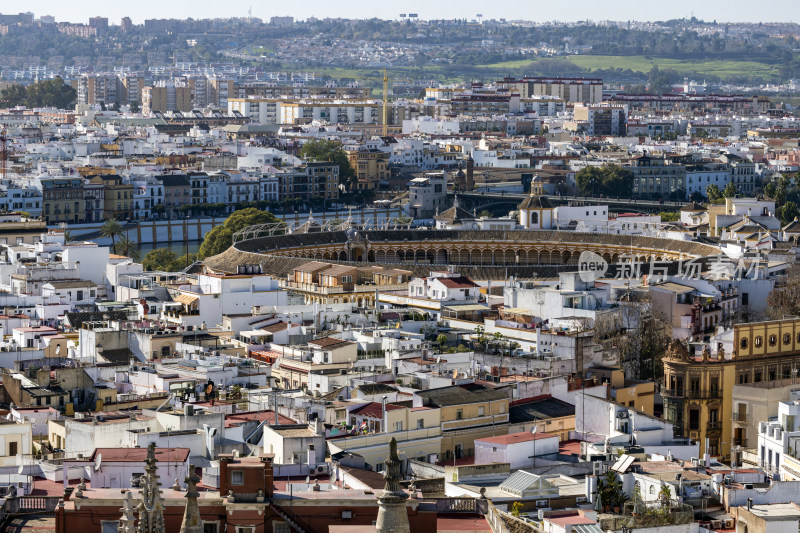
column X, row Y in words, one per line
column 109, row 526
column 773, row 340
column 245, row 529
column 210, row 527
column 694, row 419
column 787, row 338
column 420, row 423
column 745, row 299
column 398, row 426
column 480, row 411
column 459, row 414
column 237, row 477
column 757, row 377
column 743, row 344
column 12, row 449
column 758, row 341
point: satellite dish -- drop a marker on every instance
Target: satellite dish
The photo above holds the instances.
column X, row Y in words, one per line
column 98, row 461
column 535, row 427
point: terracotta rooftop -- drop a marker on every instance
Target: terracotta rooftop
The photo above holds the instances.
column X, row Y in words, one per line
column 515, row 438
column 373, row 409
column 127, row 455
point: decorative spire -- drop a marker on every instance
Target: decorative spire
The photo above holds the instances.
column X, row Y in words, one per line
column 191, row 518
column 392, row 513
column 393, row 474
column 151, row 508
column 126, row 521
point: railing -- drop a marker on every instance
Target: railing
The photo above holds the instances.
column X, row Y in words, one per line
column 740, row 418
column 461, row 505
column 715, row 425
column 297, row 524
column 740, row 442
column 24, row 504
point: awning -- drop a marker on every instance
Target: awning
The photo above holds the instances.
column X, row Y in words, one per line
column 187, row 299
column 517, row 311
column 467, row 307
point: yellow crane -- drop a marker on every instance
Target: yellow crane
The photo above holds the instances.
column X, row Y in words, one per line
column 385, row 104
column 384, row 99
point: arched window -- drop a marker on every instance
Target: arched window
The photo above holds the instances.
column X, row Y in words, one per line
column 787, row 338
column 758, row 342
column 743, row 344
column 534, row 218
column 652, row 490
column 773, row 340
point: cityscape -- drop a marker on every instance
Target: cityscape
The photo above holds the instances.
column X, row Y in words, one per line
column 283, row 273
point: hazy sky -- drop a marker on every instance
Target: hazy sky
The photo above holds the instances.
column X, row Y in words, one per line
column 540, row 10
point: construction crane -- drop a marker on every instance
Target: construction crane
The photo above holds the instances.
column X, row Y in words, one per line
column 385, row 107
column 384, row 99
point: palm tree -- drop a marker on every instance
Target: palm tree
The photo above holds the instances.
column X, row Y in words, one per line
column 113, row 229
column 127, row 247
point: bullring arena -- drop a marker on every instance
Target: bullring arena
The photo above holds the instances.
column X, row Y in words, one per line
column 483, row 254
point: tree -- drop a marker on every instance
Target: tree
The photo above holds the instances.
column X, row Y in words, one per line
column 111, row 229
column 324, row 150
column 15, row 94
column 788, row 212
column 50, row 93
column 784, row 299
column 160, row 259
column 135, row 107
column 441, row 340
column 483, row 213
column 730, row 191
column 608, row 180
column 127, row 247
column 713, row 194
column 220, row 238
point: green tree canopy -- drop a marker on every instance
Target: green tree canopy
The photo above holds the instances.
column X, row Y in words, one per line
column 112, row 229
column 713, row 193
column 788, row 212
column 47, row 93
column 127, row 247
column 220, row 238
column 730, row 191
column 608, row 180
column 324, row 150
column 166, row 260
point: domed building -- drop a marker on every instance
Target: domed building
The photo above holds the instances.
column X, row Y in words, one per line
column 536, row 211
column 455, row 218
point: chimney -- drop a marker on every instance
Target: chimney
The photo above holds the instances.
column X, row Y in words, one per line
column 749, row 504
column 268, row 474
column 224, row 459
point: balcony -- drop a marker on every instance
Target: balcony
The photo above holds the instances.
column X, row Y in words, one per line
column 739, row 442
column 716, row 425
column 740, row 418
column 704, row 394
